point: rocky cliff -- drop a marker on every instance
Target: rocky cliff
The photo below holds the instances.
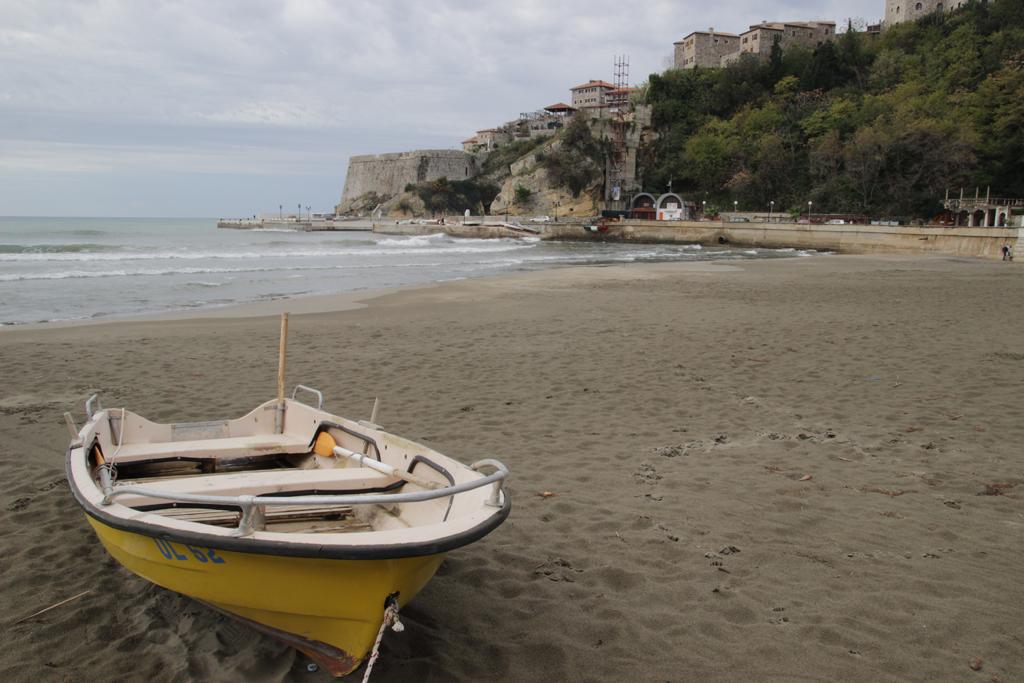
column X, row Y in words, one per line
column 530, row 176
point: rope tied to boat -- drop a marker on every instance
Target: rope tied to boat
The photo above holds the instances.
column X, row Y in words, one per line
column 390, row 619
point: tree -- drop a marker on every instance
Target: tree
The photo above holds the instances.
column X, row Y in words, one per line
column 874, row 124
column 524, row 196
column 578, row 161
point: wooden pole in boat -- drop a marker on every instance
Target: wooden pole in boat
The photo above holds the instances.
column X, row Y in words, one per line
column 279, row 418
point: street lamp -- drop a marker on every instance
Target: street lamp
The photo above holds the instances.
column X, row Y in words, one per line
column 703, row 209
column 280, row 211
column 771, row 210
column 309, row 216
column 735, row 207
column 298, row 216
column 809, row 205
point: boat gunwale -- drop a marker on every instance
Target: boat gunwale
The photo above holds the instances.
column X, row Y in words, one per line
column 260, row 546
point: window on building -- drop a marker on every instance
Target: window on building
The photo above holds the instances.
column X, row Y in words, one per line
column 918, row 6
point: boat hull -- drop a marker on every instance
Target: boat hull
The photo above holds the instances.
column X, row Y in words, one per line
column 330, row 609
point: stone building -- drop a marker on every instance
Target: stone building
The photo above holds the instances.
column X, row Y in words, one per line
column 758, row 40
column 543, row 123
column 704, row 49
column 492, row 138
column 898, row 11
column 711, row 49
column 590, row 94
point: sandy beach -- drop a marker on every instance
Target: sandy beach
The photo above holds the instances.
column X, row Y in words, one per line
column 782, row 470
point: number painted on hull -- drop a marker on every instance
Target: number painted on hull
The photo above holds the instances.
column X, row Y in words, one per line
column 203, row 555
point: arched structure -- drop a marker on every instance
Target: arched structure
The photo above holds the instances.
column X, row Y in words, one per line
column 643, row 207
column 671, row 207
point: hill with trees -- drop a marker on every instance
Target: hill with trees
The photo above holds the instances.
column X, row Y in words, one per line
column 880, row 124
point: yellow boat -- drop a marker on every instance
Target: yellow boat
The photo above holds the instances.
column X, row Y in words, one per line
column 309, row 527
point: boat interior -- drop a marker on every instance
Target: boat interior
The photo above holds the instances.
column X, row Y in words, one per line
column 247, row 457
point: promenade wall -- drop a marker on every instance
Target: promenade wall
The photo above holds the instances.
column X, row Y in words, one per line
column 858, row 239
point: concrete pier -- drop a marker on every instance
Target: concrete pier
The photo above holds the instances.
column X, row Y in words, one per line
column 297, row 224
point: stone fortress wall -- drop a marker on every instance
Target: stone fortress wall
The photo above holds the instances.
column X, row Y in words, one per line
column 388, row 174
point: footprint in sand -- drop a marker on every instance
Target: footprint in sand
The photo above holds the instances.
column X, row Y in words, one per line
column 646, row 474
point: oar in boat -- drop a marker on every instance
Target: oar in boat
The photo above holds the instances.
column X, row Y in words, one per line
column 326, row 447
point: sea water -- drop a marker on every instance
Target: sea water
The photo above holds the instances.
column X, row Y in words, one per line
column 90, row 268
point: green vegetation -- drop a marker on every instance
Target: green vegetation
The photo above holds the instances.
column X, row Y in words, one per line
column 447, row 196
column 579, row 160
column 868, row 124
column 498, row 161
column 524, row 196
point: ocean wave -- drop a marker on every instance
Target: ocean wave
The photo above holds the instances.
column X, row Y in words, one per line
column 414, row 241
column 86, row 256
column 154, row 272
column 53, row 248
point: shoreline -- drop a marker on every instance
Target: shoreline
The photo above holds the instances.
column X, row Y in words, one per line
column 339, row 301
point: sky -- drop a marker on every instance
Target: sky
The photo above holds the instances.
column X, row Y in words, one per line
column 234, row 107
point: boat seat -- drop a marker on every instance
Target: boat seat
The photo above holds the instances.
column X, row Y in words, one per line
column 330, row 519
column 229, row 447
column 265, row 482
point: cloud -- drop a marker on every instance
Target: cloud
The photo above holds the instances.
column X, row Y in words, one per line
column 359, row 75
column 43, row 156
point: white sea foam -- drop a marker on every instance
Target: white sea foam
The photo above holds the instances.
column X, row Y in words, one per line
column 414, row 241
column 150, row 272
column 403, row 249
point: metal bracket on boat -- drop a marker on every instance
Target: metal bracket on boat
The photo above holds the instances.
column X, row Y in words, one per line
column 319, row 394
column 495, row 499
column 89, row 412
column 106, row 482
column 252, row 516
column 76, row 438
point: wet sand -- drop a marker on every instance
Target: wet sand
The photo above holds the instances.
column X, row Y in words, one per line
column 799, row 470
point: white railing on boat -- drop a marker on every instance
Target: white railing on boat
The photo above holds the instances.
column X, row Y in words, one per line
column 316, row 392
column 254, row 506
